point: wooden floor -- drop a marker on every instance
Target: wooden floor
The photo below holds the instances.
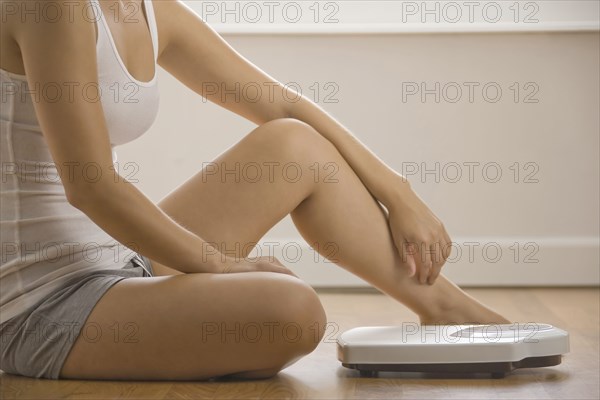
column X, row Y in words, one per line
column 320, row 375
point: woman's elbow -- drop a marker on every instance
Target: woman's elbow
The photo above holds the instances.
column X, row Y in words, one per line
column 75, row 197
column 81, row 196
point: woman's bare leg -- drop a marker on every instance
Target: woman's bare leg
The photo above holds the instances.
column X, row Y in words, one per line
column 227, row 204
column 179, row 318
column 197, row 326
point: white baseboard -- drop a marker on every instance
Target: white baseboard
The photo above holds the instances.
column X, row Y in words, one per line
column 518, row 261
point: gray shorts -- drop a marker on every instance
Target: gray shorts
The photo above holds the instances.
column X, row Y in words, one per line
column 36, row 343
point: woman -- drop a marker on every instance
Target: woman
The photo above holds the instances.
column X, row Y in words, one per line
column 167, row 293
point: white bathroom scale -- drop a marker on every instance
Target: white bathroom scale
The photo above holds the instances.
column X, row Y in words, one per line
column 496, row 349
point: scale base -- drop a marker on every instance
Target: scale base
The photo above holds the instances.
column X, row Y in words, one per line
column 496, row 369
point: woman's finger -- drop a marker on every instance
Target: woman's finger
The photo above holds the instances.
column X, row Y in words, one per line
column 277, row 262
column 271, row 267
column 438, row 250
column 437, row 264
column 448, row 247
column 426, row 263
column 286, row 271
column 407, row 257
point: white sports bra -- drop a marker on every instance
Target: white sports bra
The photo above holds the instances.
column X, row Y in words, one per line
column 130, row 106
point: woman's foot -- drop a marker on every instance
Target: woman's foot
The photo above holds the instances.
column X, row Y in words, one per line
column 465, row 311
column 458, row 318
column 443, row 303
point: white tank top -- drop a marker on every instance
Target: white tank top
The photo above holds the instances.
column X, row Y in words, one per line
column 45, row 240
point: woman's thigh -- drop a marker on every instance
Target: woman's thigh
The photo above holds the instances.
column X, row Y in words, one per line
column 197, row 326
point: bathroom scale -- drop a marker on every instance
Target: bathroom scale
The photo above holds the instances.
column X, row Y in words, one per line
column 496, row 349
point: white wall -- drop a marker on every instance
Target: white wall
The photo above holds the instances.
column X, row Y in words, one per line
column 553, row 135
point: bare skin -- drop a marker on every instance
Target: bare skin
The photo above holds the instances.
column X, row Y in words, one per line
column 341, row 212
column 174, row 311
column 236, row 214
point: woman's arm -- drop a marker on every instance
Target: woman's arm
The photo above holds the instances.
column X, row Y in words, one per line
column 63, row 53
column 383, row 182
column 198, row 57
column 201, row 59
column 195, row 54
column 420, row 237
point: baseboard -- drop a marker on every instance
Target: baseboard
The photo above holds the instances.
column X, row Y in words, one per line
column 481, row 262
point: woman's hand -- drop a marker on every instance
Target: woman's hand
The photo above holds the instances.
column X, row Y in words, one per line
column 420, row 237
column 264, row 263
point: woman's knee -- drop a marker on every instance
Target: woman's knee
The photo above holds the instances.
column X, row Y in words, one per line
column 293, row 138
column 292, row 323
column 302, row 316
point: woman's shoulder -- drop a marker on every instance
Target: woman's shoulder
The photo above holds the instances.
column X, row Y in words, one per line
column 56, row 31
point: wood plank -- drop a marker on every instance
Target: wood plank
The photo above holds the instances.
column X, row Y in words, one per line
column 319, row 375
